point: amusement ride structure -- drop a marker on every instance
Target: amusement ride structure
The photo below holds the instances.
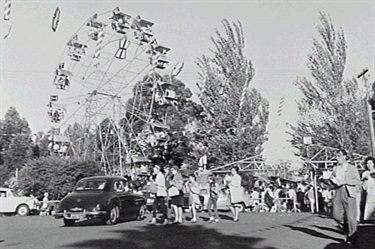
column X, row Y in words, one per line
column 107, row 83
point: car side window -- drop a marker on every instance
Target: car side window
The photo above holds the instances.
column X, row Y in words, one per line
column 119, row 186
column 3, row 194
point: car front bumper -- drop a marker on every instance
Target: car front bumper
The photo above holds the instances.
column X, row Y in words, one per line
column 80, row 215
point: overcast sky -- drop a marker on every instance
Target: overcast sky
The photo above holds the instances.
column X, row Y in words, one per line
column 278, row 40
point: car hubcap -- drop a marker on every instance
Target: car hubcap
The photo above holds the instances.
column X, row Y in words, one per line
column 113, row 214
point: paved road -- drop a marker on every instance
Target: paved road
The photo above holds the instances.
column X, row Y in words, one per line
column 260, row 230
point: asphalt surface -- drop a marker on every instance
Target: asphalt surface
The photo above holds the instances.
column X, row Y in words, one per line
column 254, row 230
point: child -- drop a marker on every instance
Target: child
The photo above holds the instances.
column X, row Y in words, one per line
column 212, row 200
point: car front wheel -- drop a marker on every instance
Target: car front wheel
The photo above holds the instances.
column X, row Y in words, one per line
column 113, row 215
column 23, row 210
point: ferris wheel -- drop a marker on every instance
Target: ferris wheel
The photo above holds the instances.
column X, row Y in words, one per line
column 108, row 81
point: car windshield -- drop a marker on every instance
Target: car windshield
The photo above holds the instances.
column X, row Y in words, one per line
column 15, row 194
column 90, row 185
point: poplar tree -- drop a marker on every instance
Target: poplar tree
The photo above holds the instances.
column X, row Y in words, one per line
column 332, row 111
column 236, row 114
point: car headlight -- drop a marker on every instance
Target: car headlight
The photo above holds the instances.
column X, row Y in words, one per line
column 98, row 207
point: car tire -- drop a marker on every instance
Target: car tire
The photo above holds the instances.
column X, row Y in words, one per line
column 113, row 215
column 23, row 210
column 141, row 212
column 69, row 222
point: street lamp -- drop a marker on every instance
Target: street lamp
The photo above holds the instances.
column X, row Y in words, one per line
column 369, row 110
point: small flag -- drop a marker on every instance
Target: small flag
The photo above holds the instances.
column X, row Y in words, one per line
column 56, row 19
column 7, row 8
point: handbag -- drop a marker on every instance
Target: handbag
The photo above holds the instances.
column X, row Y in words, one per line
column 173, row 191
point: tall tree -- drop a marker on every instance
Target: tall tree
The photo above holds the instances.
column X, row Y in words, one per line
column 15, row 144
column 236, row 114
column 333, row 110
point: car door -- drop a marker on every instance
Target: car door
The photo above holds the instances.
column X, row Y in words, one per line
column 4, row 202
column 122, row 194
column 9, row 202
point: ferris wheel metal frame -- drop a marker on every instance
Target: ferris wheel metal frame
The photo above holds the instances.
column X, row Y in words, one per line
column 111, row 58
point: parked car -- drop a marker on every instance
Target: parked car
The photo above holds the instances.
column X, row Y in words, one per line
column 103, row 197
column 11, row 202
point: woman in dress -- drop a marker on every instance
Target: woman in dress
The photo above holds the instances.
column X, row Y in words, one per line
column 236, row 192
column 368, row 184
column 178, row 200
column 212, row 200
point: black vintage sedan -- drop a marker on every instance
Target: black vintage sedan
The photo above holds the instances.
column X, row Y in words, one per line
column 103, row 197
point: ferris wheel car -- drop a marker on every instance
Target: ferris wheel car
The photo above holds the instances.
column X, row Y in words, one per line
column 102, row 197
column 120, row 21
column 77, row 50
column 144, row 29
column 11, row 202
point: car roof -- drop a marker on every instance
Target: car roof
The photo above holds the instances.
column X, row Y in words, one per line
column 104, row 178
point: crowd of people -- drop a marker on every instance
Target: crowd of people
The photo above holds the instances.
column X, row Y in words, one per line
column 169, row 188
column 346, row 194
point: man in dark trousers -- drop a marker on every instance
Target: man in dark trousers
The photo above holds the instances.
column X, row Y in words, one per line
column 346, row 180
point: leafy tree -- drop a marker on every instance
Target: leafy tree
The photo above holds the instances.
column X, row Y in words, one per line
column 82, row 142
column 40, row 148
column 236, row 114
column 55, row 175
column 332, row 110
column 175, row 112
column 15, row 144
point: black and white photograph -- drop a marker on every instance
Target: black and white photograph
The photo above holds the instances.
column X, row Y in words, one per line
column 187, row 124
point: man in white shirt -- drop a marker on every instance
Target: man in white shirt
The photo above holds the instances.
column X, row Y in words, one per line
column 346, row 179
column 160, row 196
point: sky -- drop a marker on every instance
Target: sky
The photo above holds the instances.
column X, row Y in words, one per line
column 278, row 35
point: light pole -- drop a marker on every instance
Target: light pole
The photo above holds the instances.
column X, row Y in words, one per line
column 369, row 111
column 308, row 141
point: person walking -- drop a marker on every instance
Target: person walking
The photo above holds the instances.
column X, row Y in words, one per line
column 212, row 200
column 236, row 192
column 177, row 201
column 160, row 196
column 345, row 178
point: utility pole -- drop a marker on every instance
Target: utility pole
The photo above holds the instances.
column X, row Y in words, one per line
column 369, row 110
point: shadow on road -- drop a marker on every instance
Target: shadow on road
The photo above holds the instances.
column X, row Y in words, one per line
column 172, row 236
column 331, row 229
column 366, row 239
column 313, row 233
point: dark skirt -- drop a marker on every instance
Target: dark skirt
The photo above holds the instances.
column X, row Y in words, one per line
column 178, row 200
